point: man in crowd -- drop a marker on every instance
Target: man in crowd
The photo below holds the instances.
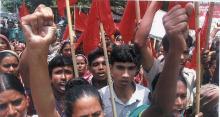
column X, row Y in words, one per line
column 97, row 67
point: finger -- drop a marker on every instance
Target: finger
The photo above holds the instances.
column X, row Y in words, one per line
column 27, row 31
column 40, row 20
column 189, row 8
column 38, row 9
column 173, row 9
column 176, row 14
column 48, row 16
column 51, row 34
column 32, row 20
column 178, row 19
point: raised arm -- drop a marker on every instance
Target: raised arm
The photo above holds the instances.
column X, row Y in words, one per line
column 39, row 30
column 175, row 23
column 143, row 33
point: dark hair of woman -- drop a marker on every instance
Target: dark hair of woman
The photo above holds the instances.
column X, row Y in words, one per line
column 6, row 53
column 75, row 89
column 9, row 81
column 63, row 45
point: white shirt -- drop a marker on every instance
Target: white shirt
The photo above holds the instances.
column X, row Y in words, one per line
column 188, row 74
column 139, row 97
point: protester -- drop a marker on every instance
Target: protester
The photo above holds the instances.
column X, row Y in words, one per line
column 82, row 99
column 82, row 66
column 13, row 99
column 97, row 67
column 125, row 64
column 66, row 49
column 9, row 62
column 175, row 23
column 37, row 49
column 154, row 66
column 4, row 43
column 60, row 72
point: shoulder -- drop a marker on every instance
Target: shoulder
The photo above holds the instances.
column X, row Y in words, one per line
column 104, row 91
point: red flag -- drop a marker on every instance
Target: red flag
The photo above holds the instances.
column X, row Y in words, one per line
column 90, row 36
column 128, row 21
column 204, row 30
column 105, row 16
column 66, row 33
column 23, row 10
column 61, row 5
column 80, row 20
column 191, row 21
column 203, row 33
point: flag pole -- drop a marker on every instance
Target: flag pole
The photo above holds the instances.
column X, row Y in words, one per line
column 108, row 71
column 210, row 14
column 71, row 35
column 198, row 57
column 137, row 6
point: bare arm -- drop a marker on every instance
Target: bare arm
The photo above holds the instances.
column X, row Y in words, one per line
column 142, row 35
column 175, row 23
column 39, row 30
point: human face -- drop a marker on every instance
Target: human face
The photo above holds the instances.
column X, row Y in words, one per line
column 13, row 104
column 123, row 73
column 9, row 64
column 67, row 50
column 181, row 100
column 18, row 50
column 81, row 64
column 184, row 57
column 98, row 68
column 3, row 45
column 60, row 76
column 87, row 106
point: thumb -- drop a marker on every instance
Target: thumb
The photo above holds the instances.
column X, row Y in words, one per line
column 189, row 8
column 27, row 31
column 51, row 34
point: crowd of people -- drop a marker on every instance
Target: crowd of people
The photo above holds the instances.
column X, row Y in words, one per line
column 37, row 75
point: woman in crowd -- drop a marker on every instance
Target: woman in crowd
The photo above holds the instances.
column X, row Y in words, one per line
column 80, row 97
column 13, row 99
column 4, row 43
column 82, row 66
column 66, row 49
column 9, row 62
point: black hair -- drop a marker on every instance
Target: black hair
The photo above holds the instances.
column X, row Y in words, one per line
column 85, row 59
column 11, row 82
column 98, row 52
column 165, row 42
column 4, row 54
column 125, row 53
column 59, row 61
column 75, row 89
column 63, row 45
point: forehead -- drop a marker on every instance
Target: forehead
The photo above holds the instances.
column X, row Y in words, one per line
column 63, row 67
column 99, row 60
column 10, row 95
column 181, row 87
column 124, row 64
column 9, row 58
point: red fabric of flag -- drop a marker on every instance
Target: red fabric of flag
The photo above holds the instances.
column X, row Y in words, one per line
column 80, row 20
column 61, row 5
column 105, row 16
column 128, row 22
column 23, row 10
column 204, row 30
column 66, row 33
column 191, row 21
column 90, row 36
